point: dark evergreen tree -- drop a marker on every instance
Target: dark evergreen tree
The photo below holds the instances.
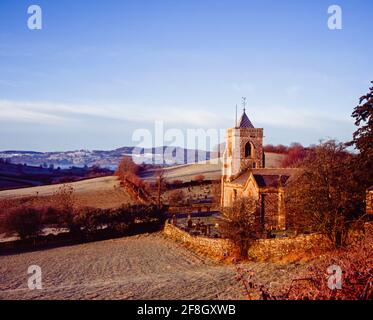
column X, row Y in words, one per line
column 363, row 137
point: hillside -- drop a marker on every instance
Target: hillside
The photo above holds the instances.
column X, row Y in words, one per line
column 101, row 192
column 210, row 169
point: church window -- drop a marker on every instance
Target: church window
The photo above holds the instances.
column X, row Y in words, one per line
column 248, row 150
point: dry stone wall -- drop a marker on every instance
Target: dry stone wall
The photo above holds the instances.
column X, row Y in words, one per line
column 263, row 250
column 215, row 248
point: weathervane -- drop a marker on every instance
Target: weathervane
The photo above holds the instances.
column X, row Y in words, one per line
column 244, row 103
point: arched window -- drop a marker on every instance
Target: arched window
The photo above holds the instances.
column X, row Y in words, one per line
column 248, row 150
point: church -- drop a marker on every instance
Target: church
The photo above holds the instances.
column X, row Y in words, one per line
column 245, row 174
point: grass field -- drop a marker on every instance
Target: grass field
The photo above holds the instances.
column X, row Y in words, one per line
column 139, row 267
column 102, row 192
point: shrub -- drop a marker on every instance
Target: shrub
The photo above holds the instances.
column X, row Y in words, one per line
column 63, row 198
column 177, row 182
column 141, row 214
column 51, row 216
column 26, row 221
column 60, row 208
column 176, row 197
column 89, row 221
column 356, row 279
column 357, row 275
column 199, row 178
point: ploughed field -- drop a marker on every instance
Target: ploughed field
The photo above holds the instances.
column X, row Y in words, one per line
column 138, row 267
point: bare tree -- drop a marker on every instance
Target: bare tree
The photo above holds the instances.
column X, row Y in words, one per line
column 241, row 224
column 128, row 173
column 127, row 169
column 160, row 186
column 326, row 197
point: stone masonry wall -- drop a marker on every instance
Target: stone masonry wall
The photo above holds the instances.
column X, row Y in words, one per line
column 215, row 248
column 273, row 249
column 265, row 249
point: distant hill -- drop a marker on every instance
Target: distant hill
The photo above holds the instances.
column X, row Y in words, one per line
column 14, row 176
column 105, row 192
column 108, row 159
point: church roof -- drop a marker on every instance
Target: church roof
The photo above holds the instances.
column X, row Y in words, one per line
column 241, row 179
column 268, row 177
column 270, row 181
column 245, row 121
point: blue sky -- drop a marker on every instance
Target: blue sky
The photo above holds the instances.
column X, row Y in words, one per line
column 98, row 70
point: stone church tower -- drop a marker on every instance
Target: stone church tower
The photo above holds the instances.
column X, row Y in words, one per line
column 244, row 149
column 245, row 175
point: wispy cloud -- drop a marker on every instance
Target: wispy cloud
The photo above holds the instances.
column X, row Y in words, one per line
column 11, row 111
column 185, row 116
column 49, row 112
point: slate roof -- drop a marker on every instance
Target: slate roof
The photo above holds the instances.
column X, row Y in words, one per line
column 242, row 178
column 270, row 181
column 245, row 121
column 268, row 177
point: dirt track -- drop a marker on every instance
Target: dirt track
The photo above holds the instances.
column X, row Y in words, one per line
column 140, row 267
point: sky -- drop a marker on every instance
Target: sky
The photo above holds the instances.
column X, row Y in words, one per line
column 99, row 70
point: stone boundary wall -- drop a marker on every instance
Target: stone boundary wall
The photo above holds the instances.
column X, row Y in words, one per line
column 266, row 249
column 274, row 249
column 215, row 248
column 262, row 250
